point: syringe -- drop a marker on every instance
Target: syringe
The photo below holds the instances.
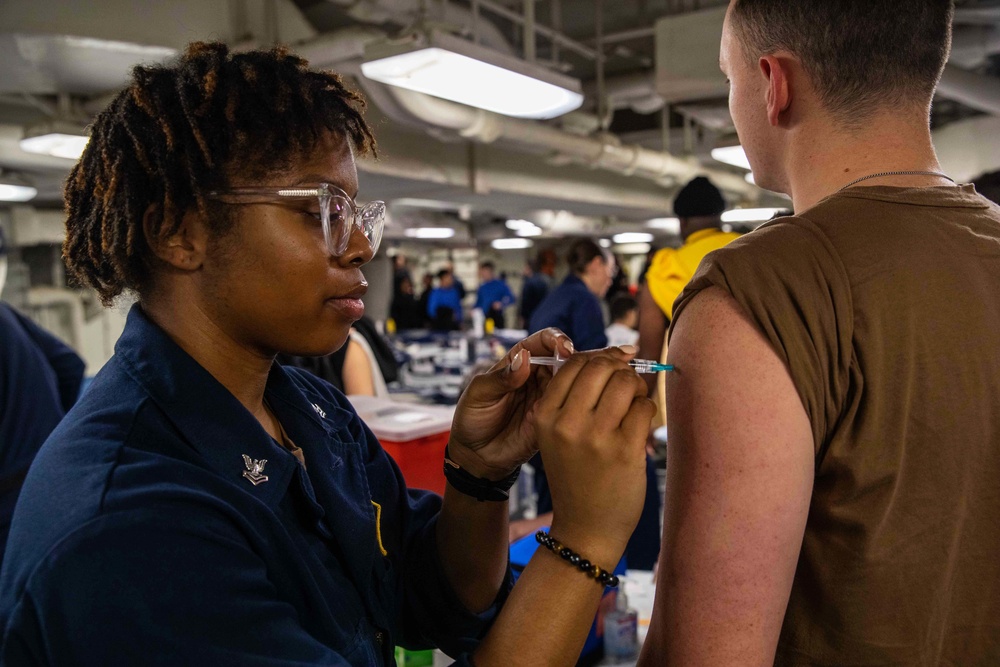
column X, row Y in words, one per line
column 640, row 365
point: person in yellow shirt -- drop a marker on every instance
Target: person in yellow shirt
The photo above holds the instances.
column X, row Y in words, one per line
column 699, row 206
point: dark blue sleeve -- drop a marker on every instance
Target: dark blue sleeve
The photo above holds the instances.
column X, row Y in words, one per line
column 67, row 364
column 428, row 611
column 482, row 298
column 151, row 587
column 432, row 303
column 508, row 296
column 588, row 324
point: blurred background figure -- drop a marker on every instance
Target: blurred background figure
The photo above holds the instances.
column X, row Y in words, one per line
column 444, row 307
column 40, row 379
column 361, row 367
column 624, row 319
column 427, row 286
column 699, row 206
column 455, row 281
column 406, row 310
column 537, row 284
column 620, row 282
column 574, row 306
column 493, row 295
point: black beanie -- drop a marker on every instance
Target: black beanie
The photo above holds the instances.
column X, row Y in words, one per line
column 699, row 198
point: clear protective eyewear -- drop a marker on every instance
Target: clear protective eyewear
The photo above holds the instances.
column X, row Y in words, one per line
column 337, row 211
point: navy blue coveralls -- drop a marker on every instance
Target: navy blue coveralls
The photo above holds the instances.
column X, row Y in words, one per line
column 141, row 538
column 40, row 378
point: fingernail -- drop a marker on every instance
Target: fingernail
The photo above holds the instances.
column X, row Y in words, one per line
column 568, row 344
column 516, row 364
column 628, row 349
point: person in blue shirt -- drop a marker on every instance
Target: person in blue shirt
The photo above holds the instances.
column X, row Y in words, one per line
column 574, row 306
column 444, row 306
column 493, row 294
column 204, row 505
column 40, row 379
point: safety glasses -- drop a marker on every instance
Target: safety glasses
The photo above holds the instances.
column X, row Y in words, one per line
column 334, row 208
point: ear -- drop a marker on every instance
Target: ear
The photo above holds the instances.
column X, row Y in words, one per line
column 779, row 95
column 183, row 248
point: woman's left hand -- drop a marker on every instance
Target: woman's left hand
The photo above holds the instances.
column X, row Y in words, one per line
column 494, row 431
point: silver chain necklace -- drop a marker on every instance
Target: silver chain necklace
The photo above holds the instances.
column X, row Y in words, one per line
column 898, row 173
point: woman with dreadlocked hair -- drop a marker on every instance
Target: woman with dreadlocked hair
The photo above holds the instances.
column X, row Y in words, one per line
column 204, row 505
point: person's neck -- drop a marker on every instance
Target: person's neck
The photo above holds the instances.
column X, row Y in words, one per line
column 821, row 160
column 589, row 282
column 690, row 226
column 240, row 368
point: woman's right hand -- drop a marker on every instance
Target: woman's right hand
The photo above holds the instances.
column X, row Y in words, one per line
column 592, row 421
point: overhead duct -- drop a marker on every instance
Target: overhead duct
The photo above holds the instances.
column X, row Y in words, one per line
column 597, row 152
column 405, row 12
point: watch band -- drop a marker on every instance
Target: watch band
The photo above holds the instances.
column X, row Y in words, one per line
column 479, row 488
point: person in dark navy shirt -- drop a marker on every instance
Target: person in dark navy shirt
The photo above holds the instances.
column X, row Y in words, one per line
column 40, row 378
column 203, row 505
column 574, row 306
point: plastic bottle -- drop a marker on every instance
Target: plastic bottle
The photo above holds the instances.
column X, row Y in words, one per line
column 478, row 323
column 621, row 630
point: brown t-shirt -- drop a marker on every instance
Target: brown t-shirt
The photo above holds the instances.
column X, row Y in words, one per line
column 884, row 304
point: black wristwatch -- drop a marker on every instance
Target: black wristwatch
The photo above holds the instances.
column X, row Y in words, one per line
column 479, row 488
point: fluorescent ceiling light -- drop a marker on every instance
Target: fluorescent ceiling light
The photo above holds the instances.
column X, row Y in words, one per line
column 668, row 225
column 734, row 155
column 519, row 224
column 12, row 192
column 455, row 69
column 56, row 144
column 523, row 227
column 633, row 248
column 632, row 237
column 430, row 232
column 432, row 204
column 749, row 214
column 511, row 244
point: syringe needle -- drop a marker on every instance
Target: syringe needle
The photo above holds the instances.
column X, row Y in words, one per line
column 640, row 365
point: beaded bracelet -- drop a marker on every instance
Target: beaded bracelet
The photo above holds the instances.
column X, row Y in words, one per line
column 593, row 571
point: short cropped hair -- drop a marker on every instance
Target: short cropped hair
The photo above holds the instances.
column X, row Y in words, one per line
column 861, row 55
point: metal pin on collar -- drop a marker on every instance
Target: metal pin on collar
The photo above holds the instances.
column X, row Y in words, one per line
column 255, row 470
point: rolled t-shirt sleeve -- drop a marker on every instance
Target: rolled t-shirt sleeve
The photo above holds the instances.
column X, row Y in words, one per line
column 791, row 284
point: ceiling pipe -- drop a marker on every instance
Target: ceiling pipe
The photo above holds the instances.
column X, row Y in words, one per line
column 973, row 90
column 554, row 36
column 407, row 12
column 603, row 152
